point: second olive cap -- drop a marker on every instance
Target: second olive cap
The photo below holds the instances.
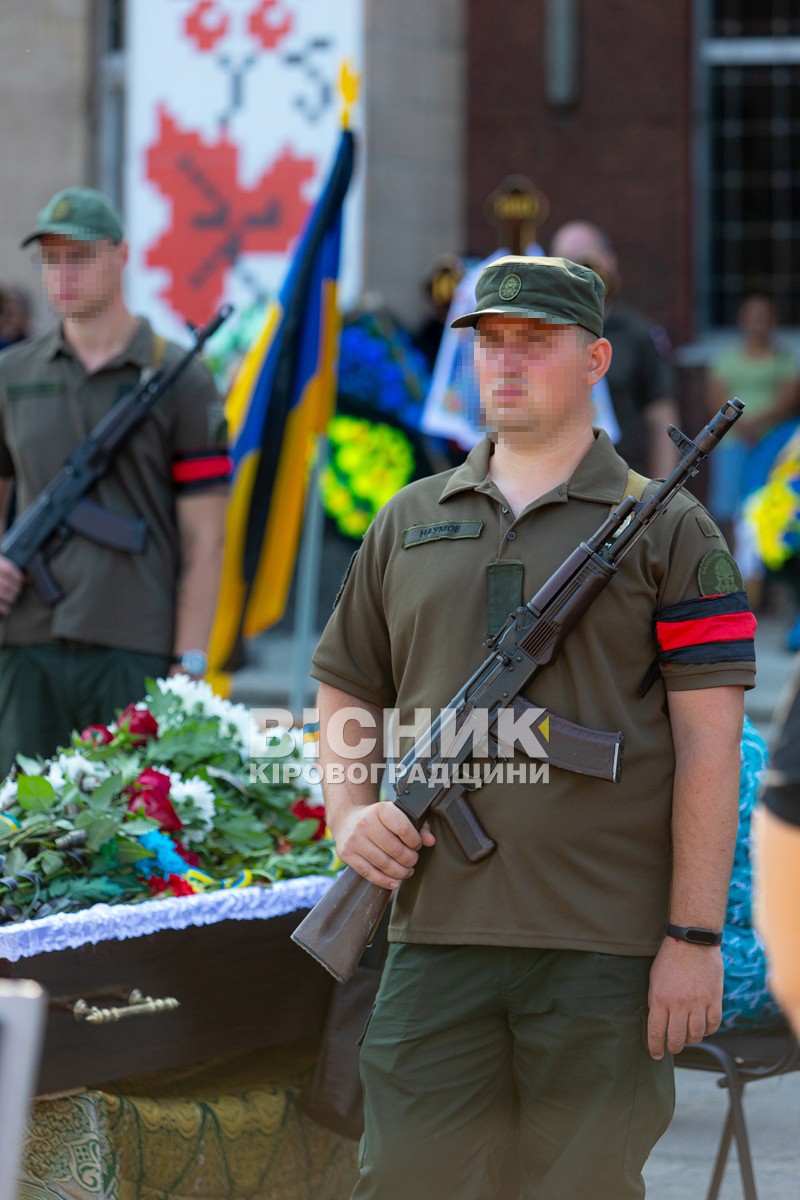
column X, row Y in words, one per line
column 541, row 289
column 80, row 213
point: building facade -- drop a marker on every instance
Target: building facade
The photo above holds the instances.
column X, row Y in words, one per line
column 673, row 126
column 64, row 65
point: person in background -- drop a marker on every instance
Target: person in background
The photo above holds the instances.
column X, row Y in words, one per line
column 640, row 378
column 439, row 285
column 124, row 616
column 15, row 316
column 764, row 375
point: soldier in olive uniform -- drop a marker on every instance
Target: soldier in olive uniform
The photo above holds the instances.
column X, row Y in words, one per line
column 124, row 616
column 542, row 991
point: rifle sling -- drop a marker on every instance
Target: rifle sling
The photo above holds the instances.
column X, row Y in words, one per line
column 635, row 485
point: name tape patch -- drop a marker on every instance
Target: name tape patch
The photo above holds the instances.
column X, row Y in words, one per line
column 44, row 387
column 415, row 535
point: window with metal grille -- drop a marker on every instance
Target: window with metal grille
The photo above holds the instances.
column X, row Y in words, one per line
column 755, row 18
column 749, row 161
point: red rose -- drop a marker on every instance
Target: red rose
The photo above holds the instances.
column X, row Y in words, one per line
column 180, row 887
column 97, row 735
column 153, row 780
column 150, row 793
column 305, row 811
column 138, row 723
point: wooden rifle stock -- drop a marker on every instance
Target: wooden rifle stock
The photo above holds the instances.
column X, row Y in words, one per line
column 337, row 931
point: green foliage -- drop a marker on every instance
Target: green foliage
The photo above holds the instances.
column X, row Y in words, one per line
column 69, row 837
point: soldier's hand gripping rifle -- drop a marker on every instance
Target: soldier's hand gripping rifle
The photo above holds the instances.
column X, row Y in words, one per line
column 340, row 926
column 63, row 508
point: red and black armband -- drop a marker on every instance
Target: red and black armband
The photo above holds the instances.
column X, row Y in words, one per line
column 710, row 629
column 198, row 470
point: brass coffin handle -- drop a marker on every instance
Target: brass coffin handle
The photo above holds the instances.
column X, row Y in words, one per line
column 137, row 1006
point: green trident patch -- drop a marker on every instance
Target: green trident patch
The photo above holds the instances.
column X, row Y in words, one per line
column 719, row 574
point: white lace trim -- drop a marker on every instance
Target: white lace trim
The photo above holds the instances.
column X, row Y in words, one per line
column 115, row 922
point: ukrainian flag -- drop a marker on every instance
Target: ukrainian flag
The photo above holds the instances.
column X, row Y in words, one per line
column 310, row 740
column 282, row 396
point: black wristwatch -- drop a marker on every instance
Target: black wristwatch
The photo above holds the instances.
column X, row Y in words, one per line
column 695, row 935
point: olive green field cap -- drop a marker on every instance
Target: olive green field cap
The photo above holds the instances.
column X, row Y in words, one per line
column 541, row 289
column 80, row 213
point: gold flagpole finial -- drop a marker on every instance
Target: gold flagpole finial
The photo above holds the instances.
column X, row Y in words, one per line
column 349, row 84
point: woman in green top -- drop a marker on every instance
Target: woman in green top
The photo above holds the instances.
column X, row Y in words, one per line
column 765, row 376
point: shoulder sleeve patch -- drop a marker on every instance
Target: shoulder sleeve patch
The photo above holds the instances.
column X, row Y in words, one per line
column 345, row 578
column 707, row 526
column 718, row 573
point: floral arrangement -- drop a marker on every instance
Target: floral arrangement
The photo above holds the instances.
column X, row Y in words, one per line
column 368, row 462
column 381, row 374
column 380, row 366
column 773, row 512
column 160, row 802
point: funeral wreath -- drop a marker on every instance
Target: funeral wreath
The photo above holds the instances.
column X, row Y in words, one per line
column 161, row 801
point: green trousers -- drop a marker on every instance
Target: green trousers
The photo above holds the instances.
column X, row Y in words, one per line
column 472, row 1048
column 46, row 691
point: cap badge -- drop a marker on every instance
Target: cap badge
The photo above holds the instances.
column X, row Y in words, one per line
column 511, row 287
column 62, row 210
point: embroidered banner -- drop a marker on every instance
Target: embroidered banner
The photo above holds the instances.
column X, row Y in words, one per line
column 233, row 121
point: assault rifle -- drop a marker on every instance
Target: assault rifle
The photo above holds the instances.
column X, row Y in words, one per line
column 341, row 924
column 63, row 508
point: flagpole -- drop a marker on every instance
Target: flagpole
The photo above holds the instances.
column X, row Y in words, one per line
column 309, row 570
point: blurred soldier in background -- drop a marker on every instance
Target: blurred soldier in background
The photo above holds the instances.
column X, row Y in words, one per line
column 124, row 616
column 640, row 377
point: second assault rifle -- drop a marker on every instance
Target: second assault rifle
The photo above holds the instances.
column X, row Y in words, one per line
column 341, row 924
column 63, row 508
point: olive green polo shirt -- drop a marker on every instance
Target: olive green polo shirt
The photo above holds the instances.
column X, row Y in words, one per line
column 48, row 404
column 580, row 863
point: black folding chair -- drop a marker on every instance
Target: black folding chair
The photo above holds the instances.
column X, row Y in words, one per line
column 739, row 1059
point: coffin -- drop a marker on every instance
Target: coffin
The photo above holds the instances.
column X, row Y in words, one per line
column 226, row 958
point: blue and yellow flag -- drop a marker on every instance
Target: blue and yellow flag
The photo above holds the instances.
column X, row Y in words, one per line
column 283, row 395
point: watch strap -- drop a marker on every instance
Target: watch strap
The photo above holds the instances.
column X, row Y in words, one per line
column 696, row 935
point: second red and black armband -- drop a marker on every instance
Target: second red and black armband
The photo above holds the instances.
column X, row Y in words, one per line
column 196, row 470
